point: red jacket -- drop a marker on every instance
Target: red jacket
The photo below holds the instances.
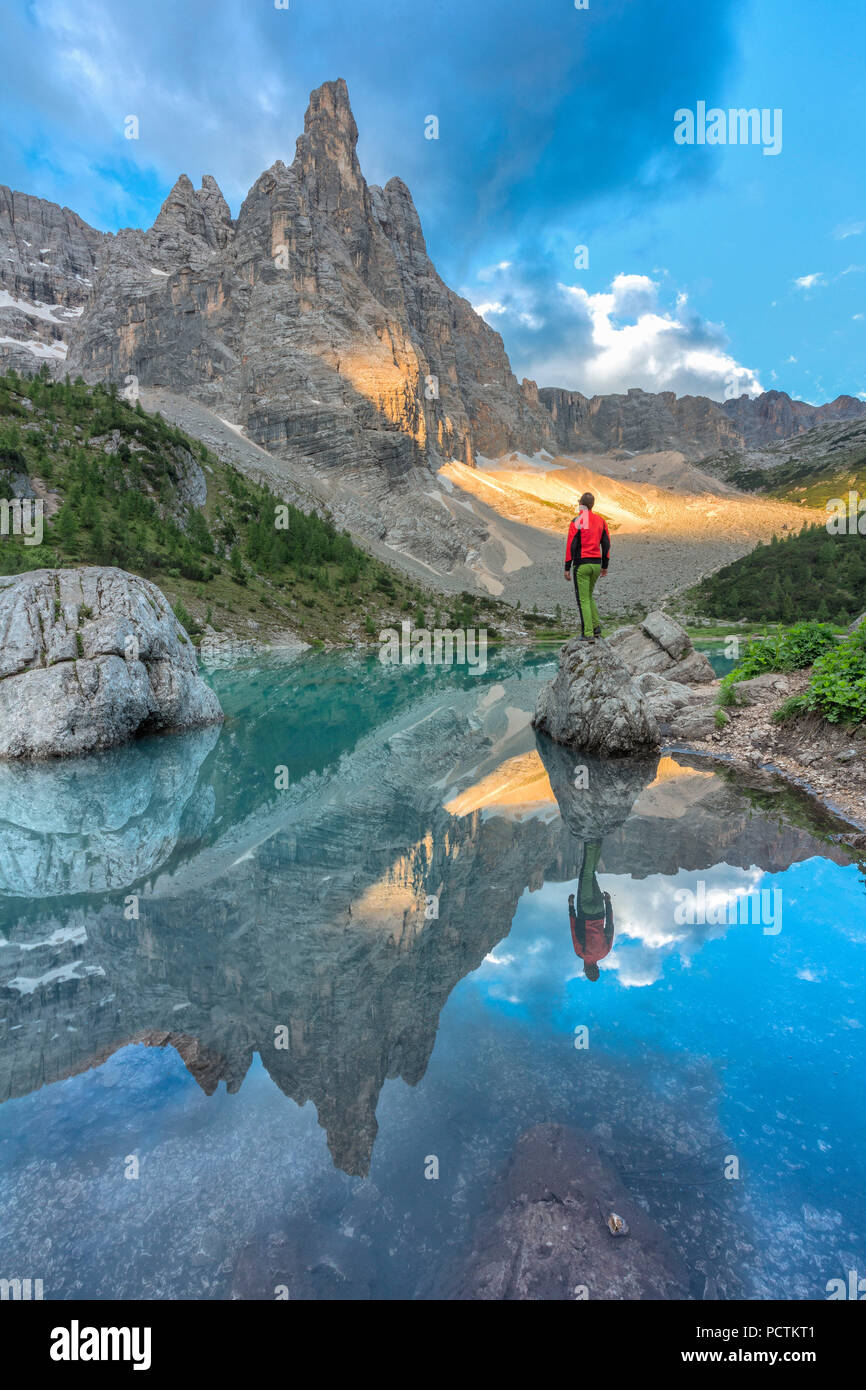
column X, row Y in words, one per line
column 595, row 945
column 592, row 937
column 588, row 540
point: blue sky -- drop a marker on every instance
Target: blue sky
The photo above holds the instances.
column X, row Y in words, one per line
column 555, row 130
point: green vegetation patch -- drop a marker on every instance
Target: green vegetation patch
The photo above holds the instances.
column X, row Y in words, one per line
column 837, row 686
column 791, row 649
column 809, row 575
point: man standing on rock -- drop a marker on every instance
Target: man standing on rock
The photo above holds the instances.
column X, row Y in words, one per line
column 588, row 551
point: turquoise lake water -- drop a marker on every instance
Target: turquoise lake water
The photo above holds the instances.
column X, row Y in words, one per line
column 253, row 978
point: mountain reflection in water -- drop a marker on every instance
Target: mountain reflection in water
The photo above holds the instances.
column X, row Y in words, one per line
column 348, row 926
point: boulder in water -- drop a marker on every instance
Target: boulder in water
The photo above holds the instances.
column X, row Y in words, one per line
column 547, row 1232
column 90, row 658
column 593, row 705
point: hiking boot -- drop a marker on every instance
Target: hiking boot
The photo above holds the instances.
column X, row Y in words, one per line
column 597, row 632
column 584, row 638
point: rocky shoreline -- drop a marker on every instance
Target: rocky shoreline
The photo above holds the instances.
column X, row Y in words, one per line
column 825, row 760
column 651, row 688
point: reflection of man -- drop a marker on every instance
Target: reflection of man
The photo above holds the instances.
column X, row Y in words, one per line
column 592, row 922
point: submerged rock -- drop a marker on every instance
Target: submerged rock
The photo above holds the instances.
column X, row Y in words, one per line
column 593, row 705
column 547, row 1232
column 90, row 658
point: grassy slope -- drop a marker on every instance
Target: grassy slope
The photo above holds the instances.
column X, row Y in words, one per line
column 227, row 564
column 809, row 575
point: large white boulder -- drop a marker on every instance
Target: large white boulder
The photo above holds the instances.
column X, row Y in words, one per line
column 90, row 658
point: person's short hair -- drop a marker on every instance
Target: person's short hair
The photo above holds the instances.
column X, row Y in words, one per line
column 590, row 970
column 587, row 500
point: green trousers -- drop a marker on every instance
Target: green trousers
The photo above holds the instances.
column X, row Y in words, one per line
column 590, row 898
column 585, row 580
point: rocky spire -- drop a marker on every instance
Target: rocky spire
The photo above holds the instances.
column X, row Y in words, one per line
column 203, row 216
column 215, row 208
column 326, row 161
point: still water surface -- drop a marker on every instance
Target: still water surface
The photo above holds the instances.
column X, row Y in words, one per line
column 286, row 1031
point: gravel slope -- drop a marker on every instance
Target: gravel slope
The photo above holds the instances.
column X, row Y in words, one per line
column 667, row 537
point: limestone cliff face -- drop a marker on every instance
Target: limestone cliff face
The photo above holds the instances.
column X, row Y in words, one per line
column 774, row 415
column 316, row 320
column 48, row 259
column 639, row 420
column 50, row 254
column 645, row 421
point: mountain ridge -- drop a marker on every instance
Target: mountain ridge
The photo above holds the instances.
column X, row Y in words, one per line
column 315, row 325
column 454, row 393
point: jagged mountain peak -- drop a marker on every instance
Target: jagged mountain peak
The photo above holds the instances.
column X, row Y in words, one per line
column 181, row 191
column 215, row 208
column 329, row 113
column 180, row 207
column 191, row 222
column 326, row 160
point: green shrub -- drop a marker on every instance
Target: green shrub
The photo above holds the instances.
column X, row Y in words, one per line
column 837, row 688
column 727, row 696
column 186, row 620
column 791, row 649
column 790, row 708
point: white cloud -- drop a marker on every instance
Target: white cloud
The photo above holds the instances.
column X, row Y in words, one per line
column 849, row 229
column 610, row 341
column 808, row 282
column 490, row 271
